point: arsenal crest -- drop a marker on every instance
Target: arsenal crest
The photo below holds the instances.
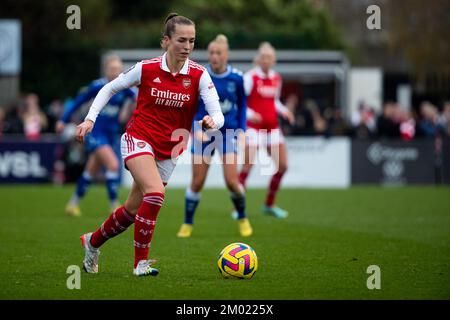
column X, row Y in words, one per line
column 141, row 144
column 186, row 83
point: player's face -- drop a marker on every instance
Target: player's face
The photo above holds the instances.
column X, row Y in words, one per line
column 113, row 69
column 266, row 60
column 181, row 43
column 218, row 56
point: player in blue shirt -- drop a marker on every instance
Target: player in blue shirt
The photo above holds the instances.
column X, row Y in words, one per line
column 230, row 87
column 102, row 142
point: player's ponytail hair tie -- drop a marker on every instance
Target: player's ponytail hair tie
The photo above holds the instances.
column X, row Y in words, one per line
column 169, row 25
column 170, row 16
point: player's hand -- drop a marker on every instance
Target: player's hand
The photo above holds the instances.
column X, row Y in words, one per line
column 201, row 136
column 241, row 139
column 59, row 127
column 255, row 118
column 83, row 129
column 288, row 116
column 207, row 123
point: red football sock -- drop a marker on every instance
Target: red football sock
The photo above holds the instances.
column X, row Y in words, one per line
column 116, row 223
column 243, row 177
column 145, row 224
column 273, row 188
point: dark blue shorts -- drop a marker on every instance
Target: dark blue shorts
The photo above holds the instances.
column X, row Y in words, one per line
column 94, row 141
column 223, row 142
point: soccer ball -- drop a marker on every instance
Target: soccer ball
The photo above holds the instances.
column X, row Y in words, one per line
column 238, row 260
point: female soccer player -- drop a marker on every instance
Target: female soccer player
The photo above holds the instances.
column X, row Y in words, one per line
column 262, row 86
column 102, row 141
column 169, row 88
column 230, row 87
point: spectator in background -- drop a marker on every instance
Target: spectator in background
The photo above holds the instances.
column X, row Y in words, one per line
column 292, row 105
column 54, row 112
column 303, row 121
column 2, row 120
column 319, row 123
column 387, row 125
column 34, row 120
column 429, row 125
column 337, row 126
column 13, row 118
column 444, row 119
column 407, row 125
column 364, row 122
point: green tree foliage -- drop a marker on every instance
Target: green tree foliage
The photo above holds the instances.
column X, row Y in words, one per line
column 420, row 30
column 287, row 24
column 57, row 61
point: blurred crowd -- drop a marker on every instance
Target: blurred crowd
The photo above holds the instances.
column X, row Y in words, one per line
column 25, row 116
column 394, row 121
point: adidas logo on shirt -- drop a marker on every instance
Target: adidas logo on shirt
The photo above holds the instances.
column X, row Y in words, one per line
column 157, row 80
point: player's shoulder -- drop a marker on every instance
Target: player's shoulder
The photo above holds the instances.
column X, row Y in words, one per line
column 152, row 60
column 275, row 74
column 150, row 63
column 252, row 72
column 95, row 85
column 235, row 72
column 196, row 66
column 98, row 82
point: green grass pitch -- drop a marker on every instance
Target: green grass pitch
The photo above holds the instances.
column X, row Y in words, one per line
column 321, row 251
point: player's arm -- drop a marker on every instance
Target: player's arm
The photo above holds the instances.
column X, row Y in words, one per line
column 74, row 105
column 242, row 111
column 281, row 109
column 128, row 106
column 208, row 93
column 196, row 124
column 248, row 86
column 127, row 79
column 242, row 105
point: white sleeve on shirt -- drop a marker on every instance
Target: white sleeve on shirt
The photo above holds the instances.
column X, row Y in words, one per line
column 248, row 83
column 248, row 86
column 250, row 113
column 279, row 106
column 127, row 79
column 209, row 95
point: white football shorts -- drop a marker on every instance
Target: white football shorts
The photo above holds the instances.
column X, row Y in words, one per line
column 131, row 147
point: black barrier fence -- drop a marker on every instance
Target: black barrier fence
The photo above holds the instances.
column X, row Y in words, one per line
column 388, row 162
column 445, row 162
column 23, row 161
column 383, row 162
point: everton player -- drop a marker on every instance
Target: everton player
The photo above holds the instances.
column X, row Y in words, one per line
column 102, row 142
column 169, row 89
column 230, row 87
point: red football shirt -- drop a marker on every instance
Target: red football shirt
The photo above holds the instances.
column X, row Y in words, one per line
column 166, row 103
column 263, row 92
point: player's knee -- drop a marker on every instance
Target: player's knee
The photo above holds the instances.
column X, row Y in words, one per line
column 131, row 208
column 197, row 185
column 160, row 188
column 283, row 167
column 232, row 184
column 113, row 166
